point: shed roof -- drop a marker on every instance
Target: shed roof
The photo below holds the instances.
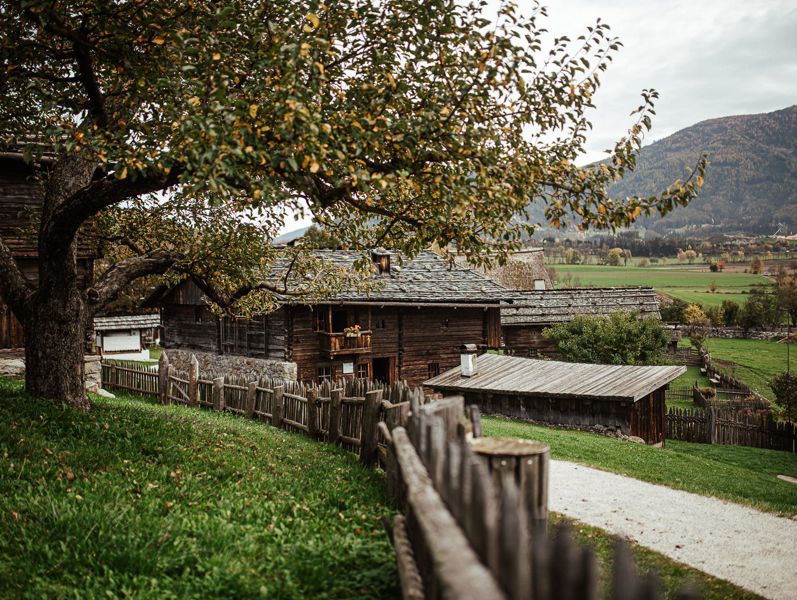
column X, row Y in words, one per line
column 519, row 376
column 545, row 307
column 126, row 322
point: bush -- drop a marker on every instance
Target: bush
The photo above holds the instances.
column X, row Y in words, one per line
column 784, row 386
column 621, row 339
column 674, row 311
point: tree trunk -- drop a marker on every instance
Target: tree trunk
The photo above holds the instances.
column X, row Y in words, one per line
column 55, row 331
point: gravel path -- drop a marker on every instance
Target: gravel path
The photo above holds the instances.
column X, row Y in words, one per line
column 754, row 550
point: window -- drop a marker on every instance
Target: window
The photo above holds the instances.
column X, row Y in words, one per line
column 320, row 319
column 539, row 284
column 362, row 371
column 380, row 324
column 324, row 373
column 433, row 369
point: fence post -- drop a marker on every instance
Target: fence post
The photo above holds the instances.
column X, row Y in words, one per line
column 218, row 393
column 163, row 378
column 336, row 396
column 369, row 436
column 112, row 376
column 712, row 425
column 312, row 412
column 193, row 378
column 251, row 399
column 279, row 406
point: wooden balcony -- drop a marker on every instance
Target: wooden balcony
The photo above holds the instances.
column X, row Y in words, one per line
column 340, row 344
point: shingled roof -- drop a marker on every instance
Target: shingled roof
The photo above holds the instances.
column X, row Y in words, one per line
column 427, row 278
column 545, row 307
column 126, row 322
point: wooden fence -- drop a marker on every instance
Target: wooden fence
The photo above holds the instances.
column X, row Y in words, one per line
column 473, row 526
column 345, row 413
column 731, row 427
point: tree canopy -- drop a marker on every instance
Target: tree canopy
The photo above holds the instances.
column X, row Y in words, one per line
column 619, row 339
column 186, row 134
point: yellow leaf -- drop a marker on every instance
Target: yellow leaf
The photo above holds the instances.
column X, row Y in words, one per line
column 320, row 68
column 314, row 166
column 253, row 110
column 216, row 56
column 699, row 181
column 314, row 22
column 158, row 40
column 123, row 173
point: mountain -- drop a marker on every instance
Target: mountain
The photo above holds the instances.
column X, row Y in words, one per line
column 751, row 181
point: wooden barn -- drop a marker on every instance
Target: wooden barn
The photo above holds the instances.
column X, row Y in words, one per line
column 409, row 328
column 20, row 202
column 523, row 321
column 627, row 399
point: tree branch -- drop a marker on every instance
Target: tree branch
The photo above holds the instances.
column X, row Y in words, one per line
column 120, row 275
column 16, row 289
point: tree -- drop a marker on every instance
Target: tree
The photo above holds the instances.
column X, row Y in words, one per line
column 760, row 310
column 784, row 386
column 698, row 326
column 673, row 311
column 614, row 256
column 786, row 292
column 620, row 339
column 186, row 135
column 730, row 312
column 756, row 265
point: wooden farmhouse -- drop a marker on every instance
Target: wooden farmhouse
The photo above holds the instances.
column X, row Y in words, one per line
column 410, row 327
column 523, row 321
column 20, row 202
column 126, row 334
column 626, row 399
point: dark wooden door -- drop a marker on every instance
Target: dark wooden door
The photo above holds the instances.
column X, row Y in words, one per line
column 11, row 332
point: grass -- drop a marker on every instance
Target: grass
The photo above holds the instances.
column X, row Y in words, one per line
column 692, row 376
column 687, row 282
column 672, row 575
column 735, row 473
column 135, row 499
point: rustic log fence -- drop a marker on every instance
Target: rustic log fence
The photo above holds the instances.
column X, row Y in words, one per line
column 475, row 513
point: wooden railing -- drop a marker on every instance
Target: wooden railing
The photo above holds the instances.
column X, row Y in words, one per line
column 337, row 343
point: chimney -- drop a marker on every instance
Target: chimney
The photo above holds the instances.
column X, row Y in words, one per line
column 381, row 258
column 467, row 360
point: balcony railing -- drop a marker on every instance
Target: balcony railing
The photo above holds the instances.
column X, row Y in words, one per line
column 338, row 343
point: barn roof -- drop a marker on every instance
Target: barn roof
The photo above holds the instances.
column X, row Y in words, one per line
column 545, row 307
column 126, row 322
column 514, row 375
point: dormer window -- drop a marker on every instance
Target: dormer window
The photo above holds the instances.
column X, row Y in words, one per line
column 381, row 259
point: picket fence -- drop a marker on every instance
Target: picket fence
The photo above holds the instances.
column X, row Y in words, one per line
column 731, row 427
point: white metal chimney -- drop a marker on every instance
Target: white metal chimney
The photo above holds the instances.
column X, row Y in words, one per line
column 467, row 360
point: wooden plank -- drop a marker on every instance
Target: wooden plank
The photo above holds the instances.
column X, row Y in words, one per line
column 251, row 398
column 334, row 416
column 279, row 406
column 369, row 436
column 409, row 576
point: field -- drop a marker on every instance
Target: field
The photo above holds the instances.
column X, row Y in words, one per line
column 757, row 361
column 137, row 499
column 687, row 282
column 735, row 473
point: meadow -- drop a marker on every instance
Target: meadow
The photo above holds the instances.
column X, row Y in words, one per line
column 687, row 282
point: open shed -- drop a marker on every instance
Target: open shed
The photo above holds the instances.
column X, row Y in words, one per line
column 629, row 399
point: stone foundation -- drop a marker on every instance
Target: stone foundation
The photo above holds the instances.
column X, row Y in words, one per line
column 92, row 367
column 231, row 364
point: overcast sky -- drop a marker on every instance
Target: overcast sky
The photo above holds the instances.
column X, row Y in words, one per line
column 706, row 58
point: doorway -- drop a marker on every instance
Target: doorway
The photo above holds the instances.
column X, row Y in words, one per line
column 383, row 369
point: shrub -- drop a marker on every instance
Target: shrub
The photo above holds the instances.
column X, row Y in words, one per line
column 784, row 386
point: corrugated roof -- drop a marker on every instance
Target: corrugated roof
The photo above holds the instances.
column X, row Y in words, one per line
column 555, row 306
column 514, row 375
column 126, row 322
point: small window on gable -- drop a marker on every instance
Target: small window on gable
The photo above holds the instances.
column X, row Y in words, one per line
column 324, row 373
column 433, row 369
column 539, row 284
column 380, row 324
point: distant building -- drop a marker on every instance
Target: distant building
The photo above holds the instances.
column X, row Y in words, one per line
column 127, row 334
column 410, row 328
column 525, row 270
column 626, row 399
column 523, row 321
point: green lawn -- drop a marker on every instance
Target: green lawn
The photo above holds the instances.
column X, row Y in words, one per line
column 757, row 361
column 736, row 473
column 687, row 282
column 134, row 499
column 692, row 376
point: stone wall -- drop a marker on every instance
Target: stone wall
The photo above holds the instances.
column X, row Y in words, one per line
column 232, row 364
column 92, row 368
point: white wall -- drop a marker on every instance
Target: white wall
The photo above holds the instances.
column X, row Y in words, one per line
column 121, row 341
